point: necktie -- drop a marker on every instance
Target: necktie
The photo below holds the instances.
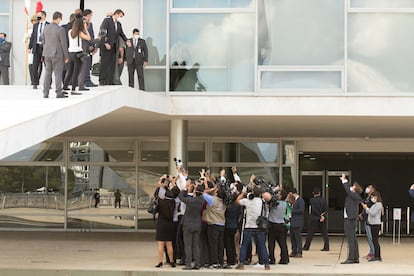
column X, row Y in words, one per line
column 135, row 43
column 40, row 33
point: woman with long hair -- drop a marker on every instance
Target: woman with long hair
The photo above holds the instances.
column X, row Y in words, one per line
column 374, row 220
column 165, row 193
column 76, row 34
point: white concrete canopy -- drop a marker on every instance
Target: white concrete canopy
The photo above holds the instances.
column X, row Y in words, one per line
column 114, row 111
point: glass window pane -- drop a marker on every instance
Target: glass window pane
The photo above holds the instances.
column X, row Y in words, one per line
column 4, row 24
column 202, row 65
column 102, row 151
column 4, row 6
column 196, row 151
column 46, row 151
column 147, row 178
column 374, row 63
column 373, row 4
column 154, row 79
column 301, row 32
column 245, row 152
column 301, row 80
column 289, row 153
column 213, row 3
column 154, row 151
column 155, row 30
column 83, row 212
column 32, row 197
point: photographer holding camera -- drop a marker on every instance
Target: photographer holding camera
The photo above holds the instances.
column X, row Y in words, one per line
column 253, row 206
column 165, row 230
column 77, row 33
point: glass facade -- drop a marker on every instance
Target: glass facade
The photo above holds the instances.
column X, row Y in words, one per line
column 61, row 193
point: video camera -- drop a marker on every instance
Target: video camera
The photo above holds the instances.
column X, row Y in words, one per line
column 178, row 162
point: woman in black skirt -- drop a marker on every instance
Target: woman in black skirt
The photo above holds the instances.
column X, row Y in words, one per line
column 165, row 193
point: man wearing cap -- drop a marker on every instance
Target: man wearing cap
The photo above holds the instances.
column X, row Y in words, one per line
column 137, row 58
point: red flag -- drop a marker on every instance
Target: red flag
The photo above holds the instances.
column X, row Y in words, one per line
column 39, row 6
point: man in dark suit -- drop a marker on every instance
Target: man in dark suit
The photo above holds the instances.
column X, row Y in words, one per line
column 5, row 48
column 192, row 223
column 36, row 45
column 55, row 53
column 317, row 220
column 111, row 29
column 137, row 58
column 296, row 224
column 352, row 201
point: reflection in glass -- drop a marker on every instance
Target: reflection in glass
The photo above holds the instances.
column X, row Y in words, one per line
column 212, row 49
column 374, row 63
column 154, row 79
column 196, row 152
column 32, row 197
column 147, row 183
column 213, row 3
column 300, row 32
column 155, row 22
column 154, row 151
column 45, row 151
column 102, row 151
column 4, row 8
column 301, row 80
column 378, row 4
column 245, row 152
column 107, row 181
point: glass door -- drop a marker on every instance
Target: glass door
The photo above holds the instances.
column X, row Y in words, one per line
column 308, row 181
column 335, row 196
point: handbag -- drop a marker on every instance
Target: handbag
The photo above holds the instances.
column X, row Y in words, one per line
column 153, row 206
column 262, row 221
column 96, row 69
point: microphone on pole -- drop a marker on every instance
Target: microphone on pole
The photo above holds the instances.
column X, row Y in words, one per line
column 82, row 5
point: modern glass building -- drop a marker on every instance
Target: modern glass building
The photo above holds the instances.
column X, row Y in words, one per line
column 298, row 91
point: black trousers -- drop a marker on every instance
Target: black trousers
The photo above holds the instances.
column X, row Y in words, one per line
column 139, row 67
column 108, row 61
column 215, row 235
column 278, row 233
column 230, row 246
column 375, row 239
column 205, row 257
column 317, row 225
column 37, row 62
column 180, row 254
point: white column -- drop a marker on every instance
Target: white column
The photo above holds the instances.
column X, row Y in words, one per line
column 178, row 144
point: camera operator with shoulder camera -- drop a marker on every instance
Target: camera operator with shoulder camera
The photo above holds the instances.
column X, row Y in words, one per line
column 253, row 206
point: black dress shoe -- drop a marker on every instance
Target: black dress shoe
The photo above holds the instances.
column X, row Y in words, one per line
column 283, row 262
column 35, row 86
column 84, row 89
column 172, row 264
column 61, row 96
column 66, row 88
column 91, row 85
column 187, row 268
column 324, row 249
column 45, row 96
column 159, row 264
column 305, row 248
column 196, row 267
column 350, row 262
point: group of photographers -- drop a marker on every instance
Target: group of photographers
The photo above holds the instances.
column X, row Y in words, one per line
column 210, row 214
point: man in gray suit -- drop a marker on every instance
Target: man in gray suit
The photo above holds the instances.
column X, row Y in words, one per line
column 55, row 52
column 192, row 223
column 5, row 48
column 351, row 209
column 296, row 224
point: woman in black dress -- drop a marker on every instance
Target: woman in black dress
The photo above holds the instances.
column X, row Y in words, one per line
column 165, row 193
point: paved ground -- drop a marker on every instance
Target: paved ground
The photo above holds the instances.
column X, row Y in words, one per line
column 58, row 253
